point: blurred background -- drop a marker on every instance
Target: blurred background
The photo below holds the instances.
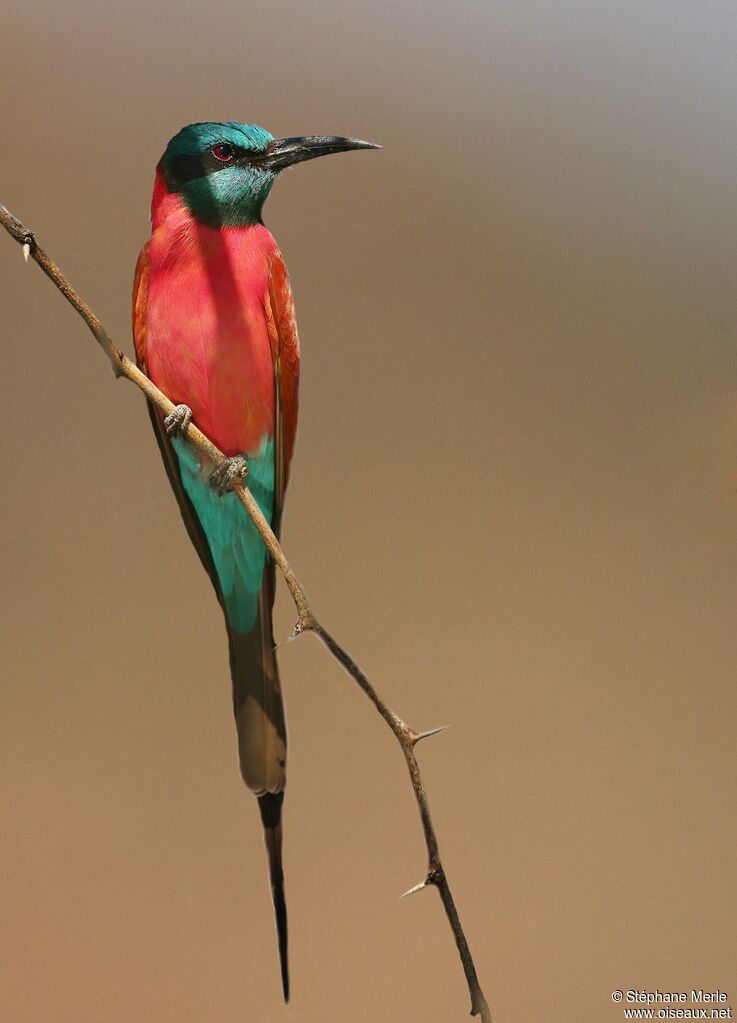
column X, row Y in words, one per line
column 514, row 500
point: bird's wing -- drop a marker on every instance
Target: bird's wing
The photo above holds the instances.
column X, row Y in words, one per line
column 140, row 298
column 168, row 455
column 282, row 327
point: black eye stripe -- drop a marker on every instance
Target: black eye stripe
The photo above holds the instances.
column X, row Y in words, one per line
column 181, row 169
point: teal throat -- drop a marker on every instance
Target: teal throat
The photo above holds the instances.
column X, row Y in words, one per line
column 237, row 549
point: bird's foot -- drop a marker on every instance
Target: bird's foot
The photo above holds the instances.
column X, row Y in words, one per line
column 176, row 422
column 228, row 473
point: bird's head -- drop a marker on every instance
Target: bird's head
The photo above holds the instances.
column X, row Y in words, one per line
column 224, row 171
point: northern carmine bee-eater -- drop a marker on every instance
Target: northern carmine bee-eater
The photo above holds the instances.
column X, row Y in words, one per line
column 214, row 328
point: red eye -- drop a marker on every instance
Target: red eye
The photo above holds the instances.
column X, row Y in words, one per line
column 223, row 152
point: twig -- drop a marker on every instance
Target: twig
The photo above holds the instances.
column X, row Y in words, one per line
column 306, row 621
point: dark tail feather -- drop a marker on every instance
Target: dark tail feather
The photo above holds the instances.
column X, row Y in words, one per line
column 262, row 746
column 270, row 807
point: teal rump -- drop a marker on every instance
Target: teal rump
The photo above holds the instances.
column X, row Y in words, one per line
column 238, row 552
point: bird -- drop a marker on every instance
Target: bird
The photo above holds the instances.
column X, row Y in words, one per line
column 214, row 328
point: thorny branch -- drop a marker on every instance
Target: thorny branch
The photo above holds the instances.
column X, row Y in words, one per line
column 306, row 620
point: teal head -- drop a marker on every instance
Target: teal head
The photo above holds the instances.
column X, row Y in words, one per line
column 224, row 171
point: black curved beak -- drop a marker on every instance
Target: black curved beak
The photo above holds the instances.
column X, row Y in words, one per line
column 283, row 153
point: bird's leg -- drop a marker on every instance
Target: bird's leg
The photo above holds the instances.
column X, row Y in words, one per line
column 176, row 422
column 228, row 473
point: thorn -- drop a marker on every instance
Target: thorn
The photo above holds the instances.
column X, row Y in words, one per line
column 299, row 630
column 417, row 888
column 28, row 242
column 427, row 734
column 305, row 623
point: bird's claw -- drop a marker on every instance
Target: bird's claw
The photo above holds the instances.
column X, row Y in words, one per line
column 176, row 422
column 228, row 473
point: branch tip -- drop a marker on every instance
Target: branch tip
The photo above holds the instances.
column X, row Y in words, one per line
column 480, row 1007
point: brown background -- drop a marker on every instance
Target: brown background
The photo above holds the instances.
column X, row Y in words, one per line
column 514, row 500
